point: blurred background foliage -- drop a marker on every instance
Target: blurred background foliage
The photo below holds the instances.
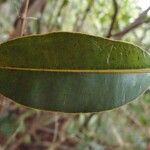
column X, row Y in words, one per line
column 125, row 128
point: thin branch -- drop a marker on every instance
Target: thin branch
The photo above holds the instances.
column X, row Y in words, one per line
column 131, row 118
column 56, row 129
column 77, row 25
column 23, row 17
column 63, row 4
column 55, row 134
column 138, row 21
column 115, row 4
column 117, row 136
column 33, row 7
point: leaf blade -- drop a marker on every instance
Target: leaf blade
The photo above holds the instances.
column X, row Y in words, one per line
column 49, row 83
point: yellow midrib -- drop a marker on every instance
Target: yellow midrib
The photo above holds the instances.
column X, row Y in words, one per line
column 146, row 70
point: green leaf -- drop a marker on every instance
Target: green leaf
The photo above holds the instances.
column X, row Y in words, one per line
column 72, row 72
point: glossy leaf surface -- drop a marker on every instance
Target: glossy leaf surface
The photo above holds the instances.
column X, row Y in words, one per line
column 72, row 72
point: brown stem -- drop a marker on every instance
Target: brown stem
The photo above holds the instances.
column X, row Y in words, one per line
column 23, row 17
column 136, row 23
column 113, row 18
column 34, row 6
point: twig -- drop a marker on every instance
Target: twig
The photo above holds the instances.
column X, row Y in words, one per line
column 23, row 17
column 117, row 135
column 63, row 4
column 56, row 129
column 55, row 132
column 33, row 7
column 138, row 21
column 131, row 118
column 78, row 26
column 115, row 4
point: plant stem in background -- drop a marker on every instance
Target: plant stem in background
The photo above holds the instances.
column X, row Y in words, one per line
column 113, row 18
column 23, row 17
column 142, row 18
